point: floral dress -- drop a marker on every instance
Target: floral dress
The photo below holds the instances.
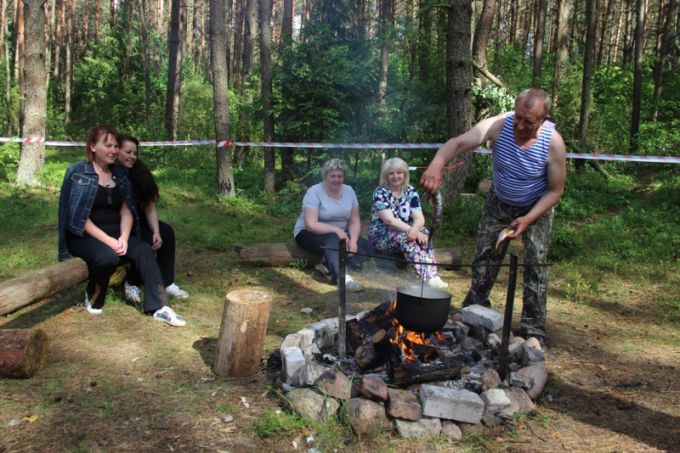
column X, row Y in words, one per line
column 388, row 240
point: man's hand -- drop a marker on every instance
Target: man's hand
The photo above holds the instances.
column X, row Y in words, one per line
column 519, row 226
column 432, row 178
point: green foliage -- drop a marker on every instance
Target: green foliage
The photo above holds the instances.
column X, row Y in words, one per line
column 277, row 423
column 9, row 161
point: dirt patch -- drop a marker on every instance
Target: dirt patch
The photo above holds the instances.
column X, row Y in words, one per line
column 124, row 382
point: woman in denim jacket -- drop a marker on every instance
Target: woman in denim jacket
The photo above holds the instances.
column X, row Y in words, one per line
column 95, row 224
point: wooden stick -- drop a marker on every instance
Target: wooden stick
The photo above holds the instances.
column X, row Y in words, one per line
column 342, row 299
column 507, row 321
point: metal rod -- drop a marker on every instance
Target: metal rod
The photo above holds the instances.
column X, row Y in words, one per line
column 342, row 299
column 507, row 321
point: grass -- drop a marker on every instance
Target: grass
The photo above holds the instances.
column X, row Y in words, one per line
column 614, row 284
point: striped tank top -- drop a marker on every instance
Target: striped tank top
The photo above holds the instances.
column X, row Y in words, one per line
column 520, row 175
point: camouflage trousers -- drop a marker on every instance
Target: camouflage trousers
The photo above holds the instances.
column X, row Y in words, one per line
column 497, row 215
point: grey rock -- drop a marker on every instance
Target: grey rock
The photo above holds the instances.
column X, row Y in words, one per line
column 451, row 430
column 531, row 355
column 519, row 402
column 493, row 341
column 531, row 378
column 478, row 315
column 423, row 428
column 292, row 340
column 309, row 373
column 495, row 400
column 451, row 404
column 312, row 405
column 491, row 420
column 335, row 384
column 490, row 379
column 367, row 417
column 372, row 387
column 403, row 404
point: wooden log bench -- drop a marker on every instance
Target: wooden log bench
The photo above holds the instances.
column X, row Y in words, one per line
column 283, row 254
column 17, row 293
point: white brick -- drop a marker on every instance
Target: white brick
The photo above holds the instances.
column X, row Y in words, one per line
column 292, row 360
column 306, row 337
column 478, row 315
column 452, row 404
column 496, row 400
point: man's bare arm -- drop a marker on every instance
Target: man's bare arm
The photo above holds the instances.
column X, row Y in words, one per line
column 487, row 129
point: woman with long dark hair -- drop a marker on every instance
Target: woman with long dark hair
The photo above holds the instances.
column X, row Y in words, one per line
column 96, row 218
column 158, row 234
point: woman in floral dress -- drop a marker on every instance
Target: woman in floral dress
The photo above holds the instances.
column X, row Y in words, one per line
column 398, row 224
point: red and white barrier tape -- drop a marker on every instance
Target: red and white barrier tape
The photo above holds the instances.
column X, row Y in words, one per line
column 365, row 146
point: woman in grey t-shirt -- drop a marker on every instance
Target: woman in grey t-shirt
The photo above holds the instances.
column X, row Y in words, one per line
column 330, row 212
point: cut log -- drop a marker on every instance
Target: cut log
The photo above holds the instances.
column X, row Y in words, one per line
column 242, row 334
column 22, row 352
column 280, row 254
column 444, row 369
column 17, row 293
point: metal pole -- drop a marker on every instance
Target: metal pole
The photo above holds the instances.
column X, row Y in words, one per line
column 342, row 300
column 507, row 321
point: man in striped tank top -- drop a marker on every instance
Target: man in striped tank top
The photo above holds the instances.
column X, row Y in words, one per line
column 529, row 172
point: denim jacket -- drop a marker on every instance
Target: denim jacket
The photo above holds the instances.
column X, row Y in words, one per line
column 78, row 191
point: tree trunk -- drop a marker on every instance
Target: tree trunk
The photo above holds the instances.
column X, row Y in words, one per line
column 458, row 85
column 385, row 30
column 637, row 75
column 18, row 42
column 585, row 87
column 238, row 43
column 160, row 16
column 218, row 58
column 84, row 35
column 566, row 9
column 482, row 31
column 34, row 94
column 424, row 38
column 539, row 40
column 199, row 34
column 249, row 36
column 242, row 333
column 112, row 13
column 603, row 32
column 22, row 351
column 287, row 154
column 266, row 87
column 662, row 55
column 68, row 57
column 144, row 28
column 97, row 20
column 175, row 56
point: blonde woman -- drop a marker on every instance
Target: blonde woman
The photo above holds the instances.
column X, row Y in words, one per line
column 398, row 224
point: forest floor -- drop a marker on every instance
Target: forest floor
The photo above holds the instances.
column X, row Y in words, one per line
column 122, row 382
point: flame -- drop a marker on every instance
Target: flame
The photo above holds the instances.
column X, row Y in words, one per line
column 406, row 339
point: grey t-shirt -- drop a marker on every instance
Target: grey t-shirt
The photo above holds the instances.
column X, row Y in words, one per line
column 336, row 212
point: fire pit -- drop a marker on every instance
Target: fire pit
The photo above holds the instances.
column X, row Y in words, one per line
column 452, row 373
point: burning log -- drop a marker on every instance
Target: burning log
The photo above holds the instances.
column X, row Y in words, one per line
column 402, row 373
column 242, row 334
column 22, row 352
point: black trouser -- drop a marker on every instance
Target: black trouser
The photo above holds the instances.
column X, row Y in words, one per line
column 164, row 255
column 315, row 243
column 102, row 262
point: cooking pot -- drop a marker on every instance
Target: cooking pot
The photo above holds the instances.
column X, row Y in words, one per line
column 422, row 308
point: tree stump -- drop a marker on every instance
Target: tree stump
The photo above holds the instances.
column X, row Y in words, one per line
column 242, row 334
column 22, row 352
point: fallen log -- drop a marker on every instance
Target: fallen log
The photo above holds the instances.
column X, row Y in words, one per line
column 283, row 254
column 17, row 293
column 22, row 352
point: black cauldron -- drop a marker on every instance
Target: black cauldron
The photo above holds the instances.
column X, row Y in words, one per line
column 422, row 308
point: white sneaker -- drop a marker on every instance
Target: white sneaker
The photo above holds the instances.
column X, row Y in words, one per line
column 89, row 308
column 321, row 267
column 168, row 316
column 351, row 285
column 175, row 291
column 437, row 283
column 132, row 293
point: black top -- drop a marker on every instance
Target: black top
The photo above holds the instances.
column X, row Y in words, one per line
column 106, row 210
